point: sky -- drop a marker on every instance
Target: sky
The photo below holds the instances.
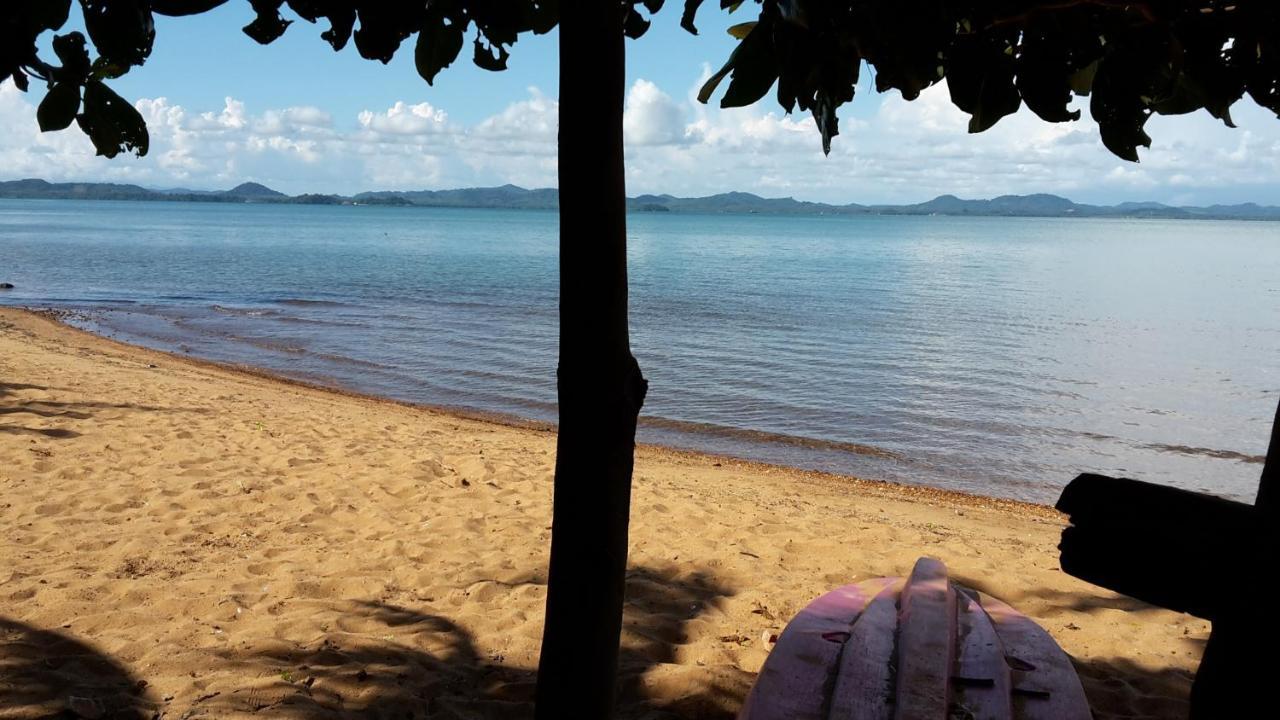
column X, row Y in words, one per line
column 300, row 118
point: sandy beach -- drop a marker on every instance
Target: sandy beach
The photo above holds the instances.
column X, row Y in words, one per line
column 189, row 541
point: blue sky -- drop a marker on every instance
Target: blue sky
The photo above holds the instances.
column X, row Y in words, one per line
column 299, row 117
column 199, row 60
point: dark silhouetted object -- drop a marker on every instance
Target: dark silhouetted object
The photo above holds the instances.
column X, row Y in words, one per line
column 600, row 388
column 1192, row 553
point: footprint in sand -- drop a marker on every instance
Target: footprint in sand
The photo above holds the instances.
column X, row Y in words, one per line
column 193, row 462
column 95, row 546
column 273, row 553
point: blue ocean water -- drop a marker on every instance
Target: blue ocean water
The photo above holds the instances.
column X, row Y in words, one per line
column 992, row 355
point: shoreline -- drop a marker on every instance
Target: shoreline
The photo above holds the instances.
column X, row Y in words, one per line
column 187, row 539
column 1246, row 211
column 956, row 497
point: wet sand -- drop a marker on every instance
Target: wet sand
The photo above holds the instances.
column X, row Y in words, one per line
column 184, row 540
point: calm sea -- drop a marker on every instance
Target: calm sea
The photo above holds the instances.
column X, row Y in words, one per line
column 994, row 355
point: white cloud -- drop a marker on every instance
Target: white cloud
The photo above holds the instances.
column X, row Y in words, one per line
column 888, row 150
column 402, row 119
column 231, row 118
column 301, row 119
column 651, row 117
column 528, row 122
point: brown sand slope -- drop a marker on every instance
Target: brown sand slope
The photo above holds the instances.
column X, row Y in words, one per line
column 190, row 541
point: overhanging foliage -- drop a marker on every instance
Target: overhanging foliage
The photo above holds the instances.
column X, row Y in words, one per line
column 1132, row 59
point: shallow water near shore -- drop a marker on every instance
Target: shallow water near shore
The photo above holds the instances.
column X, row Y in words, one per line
column 999, row 356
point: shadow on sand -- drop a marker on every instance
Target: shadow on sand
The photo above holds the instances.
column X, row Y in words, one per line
column 43, row 674
column 435, row 669
column 1118, row 688
column 15, row 412
column 407, row 663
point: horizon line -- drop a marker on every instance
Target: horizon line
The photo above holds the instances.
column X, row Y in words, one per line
column 789, row 198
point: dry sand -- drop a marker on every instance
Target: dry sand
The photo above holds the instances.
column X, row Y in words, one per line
column 184, row 540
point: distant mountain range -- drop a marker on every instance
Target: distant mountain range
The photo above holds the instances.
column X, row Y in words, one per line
column 513, row 197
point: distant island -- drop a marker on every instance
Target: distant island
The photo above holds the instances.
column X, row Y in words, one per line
column 514, row 197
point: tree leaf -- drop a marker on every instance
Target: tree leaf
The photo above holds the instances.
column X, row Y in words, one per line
column 741, row 30
column 383, row 27
column 750, row 82
column 1118, row 108
column 111, row 123
column 341, row 22
column 1137, row 73
column 545, row 15
column 104, row 69
column 46, row 14
column 1202, row 81
column 179, row 8
column 438, row 46
column 1045, row 65
column 70, row 49
column 752, row 67
column 268, row 26
column 634, row 25
column 686, row 18
column 906, row 58
column 789, row 90
column 487, row 60
column 1257, row 54
column 59, row 107
column 708, row 87
column 824, row 114
column 979, row 72
column 121, row 30
column 1081, row 81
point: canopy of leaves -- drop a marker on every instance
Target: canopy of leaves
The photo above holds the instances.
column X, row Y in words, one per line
column 1132, row 59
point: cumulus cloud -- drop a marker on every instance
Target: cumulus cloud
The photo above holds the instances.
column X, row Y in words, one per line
column 403, row 119
column 889, row 150
column 232, row 117
column 296, row 119
column 651, row 117
column 525, row 127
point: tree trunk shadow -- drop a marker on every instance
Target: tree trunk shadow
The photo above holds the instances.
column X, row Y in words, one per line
column 404, row 662
column 410, row 663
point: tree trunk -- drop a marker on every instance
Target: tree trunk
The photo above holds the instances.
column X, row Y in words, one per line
column 600, row 386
